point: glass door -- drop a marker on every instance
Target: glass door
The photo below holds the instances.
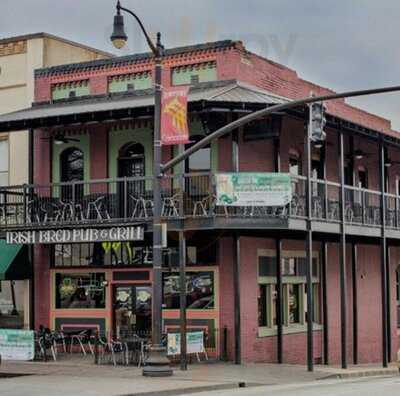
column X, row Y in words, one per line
column 132, row 310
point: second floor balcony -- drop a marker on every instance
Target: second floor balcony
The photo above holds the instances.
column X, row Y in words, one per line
column 190, row 201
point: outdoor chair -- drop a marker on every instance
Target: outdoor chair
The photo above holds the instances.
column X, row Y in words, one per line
column 141, row 207
column 44, row 341
column 81, row 339
column 170, row 206
column 59, row 340
column 203, row 207
column 297, row 207
column 97, row 209
column 119, row 350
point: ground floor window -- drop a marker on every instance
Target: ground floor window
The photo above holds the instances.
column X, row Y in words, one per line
column 199, row 290
column 80, row 290
column 294, row 289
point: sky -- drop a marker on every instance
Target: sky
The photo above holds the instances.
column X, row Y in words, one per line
column 340, row 44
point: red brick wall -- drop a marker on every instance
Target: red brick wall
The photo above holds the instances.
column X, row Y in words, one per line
column 263, row 349
column 42, row 160
column 226, row 301
column 42, row 89
column 256, row 156
column 42, row 298
column 98, row 138
column 98, row 84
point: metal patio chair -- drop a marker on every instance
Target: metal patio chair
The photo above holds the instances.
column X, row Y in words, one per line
column 170, row 206
column 98, row 208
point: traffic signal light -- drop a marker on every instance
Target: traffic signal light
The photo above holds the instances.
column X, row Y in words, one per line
column 318, row 122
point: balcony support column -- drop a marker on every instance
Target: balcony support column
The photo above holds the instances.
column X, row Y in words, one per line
column 31, row 252
column 182, row 299
column 324, row 271
column 383, row 247
column 236, row 262
column 309, row 240
column 354, row 271
column 182, row 265
column 236, row 297
column 279, row 307
column 389, row 305
column 278, row 254
column 342, row 255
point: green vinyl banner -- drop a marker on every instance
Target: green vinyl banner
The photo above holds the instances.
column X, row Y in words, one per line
column 253, row 189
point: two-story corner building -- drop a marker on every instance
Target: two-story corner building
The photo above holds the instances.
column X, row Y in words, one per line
column 91, row 133
column 19, row 57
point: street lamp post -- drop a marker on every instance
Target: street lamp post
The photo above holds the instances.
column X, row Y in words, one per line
column 157, row 365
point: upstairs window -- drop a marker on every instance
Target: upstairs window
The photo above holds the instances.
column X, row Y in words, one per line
column 294, row 164
column 362, row 178
column 129, row 82
column 194, row 74
column 200, row 161
column 70, row 89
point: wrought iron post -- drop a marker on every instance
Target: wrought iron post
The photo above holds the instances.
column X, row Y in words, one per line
column 342, row 255
column 383, row 247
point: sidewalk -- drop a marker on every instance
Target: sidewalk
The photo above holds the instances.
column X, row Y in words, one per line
column 78, row 376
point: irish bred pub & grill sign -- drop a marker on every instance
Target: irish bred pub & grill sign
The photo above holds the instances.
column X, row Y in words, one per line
column 76, row 235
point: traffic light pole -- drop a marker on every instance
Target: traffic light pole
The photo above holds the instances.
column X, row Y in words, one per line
column 309, row 241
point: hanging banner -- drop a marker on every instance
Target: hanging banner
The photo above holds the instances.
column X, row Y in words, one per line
column 194, row 343
column 17, row 344
column 174, row 125
column 253, row 189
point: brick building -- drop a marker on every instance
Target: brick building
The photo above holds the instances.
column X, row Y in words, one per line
column 91, row 128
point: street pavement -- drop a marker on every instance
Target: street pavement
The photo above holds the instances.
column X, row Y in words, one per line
column 72, row 375
column 366, row 386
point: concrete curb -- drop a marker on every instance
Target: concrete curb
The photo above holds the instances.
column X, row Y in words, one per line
column 360, row 374
column 194, row 389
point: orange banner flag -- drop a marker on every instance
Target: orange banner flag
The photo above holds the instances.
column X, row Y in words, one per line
column 174, row 124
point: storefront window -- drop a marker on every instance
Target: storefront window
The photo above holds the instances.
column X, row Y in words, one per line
column 199, row 290
column 294, row 298
column 293, row 303
column 102, row 253
column 74, row 291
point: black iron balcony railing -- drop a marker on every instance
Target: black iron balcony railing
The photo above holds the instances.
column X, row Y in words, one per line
column 123, row 200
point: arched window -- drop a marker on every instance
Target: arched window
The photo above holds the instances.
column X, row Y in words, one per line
column 131, row 160
column 72, row 165
column 199, row 161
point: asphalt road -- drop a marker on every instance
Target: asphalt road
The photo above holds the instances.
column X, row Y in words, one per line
column 367, row 386
column 84, row 386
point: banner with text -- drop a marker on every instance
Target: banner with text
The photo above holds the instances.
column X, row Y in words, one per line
column 76, row 235
column 253, row 189
column 17, row 344
column 174, row 124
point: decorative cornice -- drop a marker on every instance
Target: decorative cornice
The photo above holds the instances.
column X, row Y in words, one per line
column 13, row 48
column 138, row 62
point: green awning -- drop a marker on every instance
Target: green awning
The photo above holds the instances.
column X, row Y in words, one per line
column 14, row 262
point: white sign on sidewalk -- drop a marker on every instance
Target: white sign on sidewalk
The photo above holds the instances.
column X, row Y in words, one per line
column 194, row 343
column 17, row 344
